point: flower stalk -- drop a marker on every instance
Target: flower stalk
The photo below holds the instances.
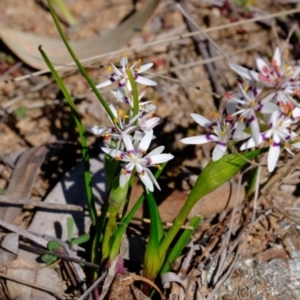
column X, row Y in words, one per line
column 76, row 60
column 116, row 199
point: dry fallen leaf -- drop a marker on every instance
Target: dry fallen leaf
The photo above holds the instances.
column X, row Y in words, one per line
column 25, row 45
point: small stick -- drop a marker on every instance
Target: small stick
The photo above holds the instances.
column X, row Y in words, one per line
column 188, row 17
column 24, row 233
column 59, row 255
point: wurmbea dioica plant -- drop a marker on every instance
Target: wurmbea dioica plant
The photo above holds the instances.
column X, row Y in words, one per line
column 268, row 100
column 264, row 110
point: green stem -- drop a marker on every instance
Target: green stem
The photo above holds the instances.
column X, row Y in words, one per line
column 126, row 220
column 95, row 252
column 102, row 221
column 109, row 233
column 82, row 135
column 152, row 261
column 66, row 12
column 181, row 244
column 131, row 183
column 214, row 175
column 121, row 230
column 79, row 65
column 135, row 94
column 116, row 199
column 178, row 222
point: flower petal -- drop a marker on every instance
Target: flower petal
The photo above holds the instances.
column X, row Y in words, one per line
column 219, row 151
column 159, row 158
column 138, row 135
column 149, row 173
column 296, row 145
column 124, row 176
column 113, row 152
column 145, row 178
column 296, row 72
column 124, row 62
column 243, row 72
column 120, row 94
column 145, row 142
column 274, row 118
column 262, row 66
column 104, row 83
column 199, row 139
column 267, row 107
column 239, row 131
column 250, row 143
column 145, row 81
column 273, row 156
column 113, row 110
column 117, row 71
column 127, row 142
column 144, row 68
column 254, row 75
column 296, row 112
column 201, row 120
column 244, row 93
column 148, row 124
column 97, row 130
column 152, row 178
column 254, row 129
column 277, row 57
column 156, row 151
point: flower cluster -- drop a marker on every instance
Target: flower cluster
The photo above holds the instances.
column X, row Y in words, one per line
column 130, row 135
column 264, row 109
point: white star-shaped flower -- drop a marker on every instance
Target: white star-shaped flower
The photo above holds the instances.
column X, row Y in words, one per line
column 277, row 75
column 136, row 158
column 222, row 134
column 124, row 88
column 247, row 106
column 278, row 134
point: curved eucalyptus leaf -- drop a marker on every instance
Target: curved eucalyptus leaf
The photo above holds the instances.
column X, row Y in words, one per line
column 25, row 45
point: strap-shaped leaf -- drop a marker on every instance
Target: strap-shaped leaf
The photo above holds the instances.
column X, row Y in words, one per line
column 218, row 172
column 214, row 175
column 152, row 259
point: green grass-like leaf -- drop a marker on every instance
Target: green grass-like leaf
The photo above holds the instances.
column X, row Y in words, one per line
column 135, row 93
column 124, row 222
column 214, row 175
column 66, row 12
column 180, row 244
column 76, row 60
column 82, row 135
column 152, row 256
